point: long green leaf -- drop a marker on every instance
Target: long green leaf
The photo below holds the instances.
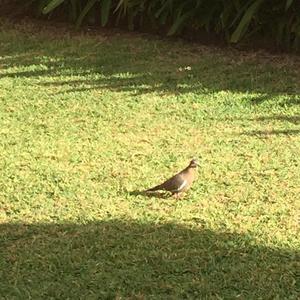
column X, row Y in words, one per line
column 243, row 25
column 288, row 4
column 73, row 4
column 105, row 10
column 52, row 5
column 85, row 11
column 177, row 24
column 161, row 9
column 121, row 2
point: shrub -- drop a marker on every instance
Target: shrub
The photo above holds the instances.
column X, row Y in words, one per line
column 233, row 19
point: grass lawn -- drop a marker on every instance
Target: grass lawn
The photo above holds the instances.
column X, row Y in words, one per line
column 87, row 118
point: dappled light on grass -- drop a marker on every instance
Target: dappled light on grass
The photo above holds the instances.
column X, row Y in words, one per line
column 139, row 68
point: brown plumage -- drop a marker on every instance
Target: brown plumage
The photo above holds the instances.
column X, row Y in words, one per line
column 180, row 182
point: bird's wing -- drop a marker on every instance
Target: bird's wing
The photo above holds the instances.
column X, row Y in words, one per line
column 175, row 183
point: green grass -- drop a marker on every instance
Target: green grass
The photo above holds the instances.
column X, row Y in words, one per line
column 86, row 119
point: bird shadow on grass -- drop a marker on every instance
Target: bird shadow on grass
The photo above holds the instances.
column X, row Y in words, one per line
column 156, row 194
column 127, row 259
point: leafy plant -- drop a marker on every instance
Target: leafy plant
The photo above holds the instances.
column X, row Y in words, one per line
column 233, row 19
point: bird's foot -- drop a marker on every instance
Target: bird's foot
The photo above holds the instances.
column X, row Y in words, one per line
column 178, row 196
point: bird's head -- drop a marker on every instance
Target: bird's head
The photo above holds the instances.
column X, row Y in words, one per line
column 193, row 163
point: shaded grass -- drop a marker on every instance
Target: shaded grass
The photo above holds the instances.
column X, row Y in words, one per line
column 85, row 120
column 115, row 258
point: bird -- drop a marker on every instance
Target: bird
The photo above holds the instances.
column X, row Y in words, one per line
column 180, row 182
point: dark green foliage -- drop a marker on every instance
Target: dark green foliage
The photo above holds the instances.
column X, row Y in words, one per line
column 233, row 19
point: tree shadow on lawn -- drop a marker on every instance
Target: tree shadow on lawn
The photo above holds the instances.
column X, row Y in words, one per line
column 118, row 258
column 118, row 67
column 294, row 119
column 265, row 133
column 283, row 118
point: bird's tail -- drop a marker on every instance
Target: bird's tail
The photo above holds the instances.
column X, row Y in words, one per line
column 153, row 189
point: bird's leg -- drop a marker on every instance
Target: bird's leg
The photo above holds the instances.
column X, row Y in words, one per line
column 177, row 195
